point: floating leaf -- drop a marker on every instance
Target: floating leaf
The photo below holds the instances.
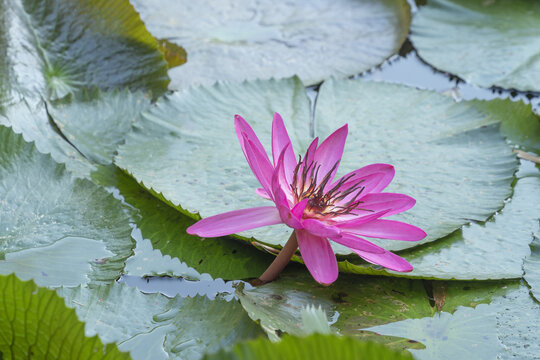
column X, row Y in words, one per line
column 29, row 117
column 96, row 122
column 36, row 323
column 51, row 222
column 166, row 228
column 491, row 250
column 187, row 152
column 497, row 330
column 53, row 48
column 455, row 168
column 155, row 327
column 313, row 347
column 487, row 43
column 531, row 267
column 355, row 303
column 241, row 40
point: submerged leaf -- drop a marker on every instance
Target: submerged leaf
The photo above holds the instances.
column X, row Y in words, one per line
column 37, row 324
column 155, row 327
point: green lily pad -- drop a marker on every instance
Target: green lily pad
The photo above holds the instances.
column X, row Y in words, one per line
column 165, row 227
column 487, row 43
column 531, row 267
column 36, row 323
column 491, row 250
column 257, row 40
column 457, row 169
column 155, row 327
column 50, row 222
column 507, row 328
column 29, row 117
column 518, row 121
column 354, row 303
column 53, row 48
column 95, row 122
column 315, row 347
column 159, row 153
column 444, row 149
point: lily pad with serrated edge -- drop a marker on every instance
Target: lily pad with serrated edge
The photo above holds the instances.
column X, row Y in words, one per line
column 51, row 221
column 36, row 323
column 192, row 159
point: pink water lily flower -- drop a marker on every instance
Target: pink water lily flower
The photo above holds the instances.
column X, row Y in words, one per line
column 308, row 199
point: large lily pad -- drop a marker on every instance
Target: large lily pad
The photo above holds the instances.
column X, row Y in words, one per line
column 508, row 328
column 52, row 48
column 155, row 327
column 458, row 170
column 51, row 222
column 491, row 250
column 187, row 152
column 165, row 227
column 314, row 347
column 253, row 39
column 487, row 43
column 36, row 323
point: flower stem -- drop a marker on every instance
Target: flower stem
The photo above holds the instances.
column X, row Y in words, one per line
column 279, row 262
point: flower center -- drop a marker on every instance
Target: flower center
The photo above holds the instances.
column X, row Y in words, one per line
column 340, row 199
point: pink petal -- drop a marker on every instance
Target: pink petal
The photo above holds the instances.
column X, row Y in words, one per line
column 235, row 221
column 262, row 193
column 318, row 257
column 351, row 221
column 279, row 180
column 388, row 229
column 259, row 164
column 357, row 243
column 280, row 142
column 242, row 127
column 375, row 178
column 298, row 209
column 392, row 203
column 280, row 197
column 387, row 259
column 330, row 152
column 318, row 228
